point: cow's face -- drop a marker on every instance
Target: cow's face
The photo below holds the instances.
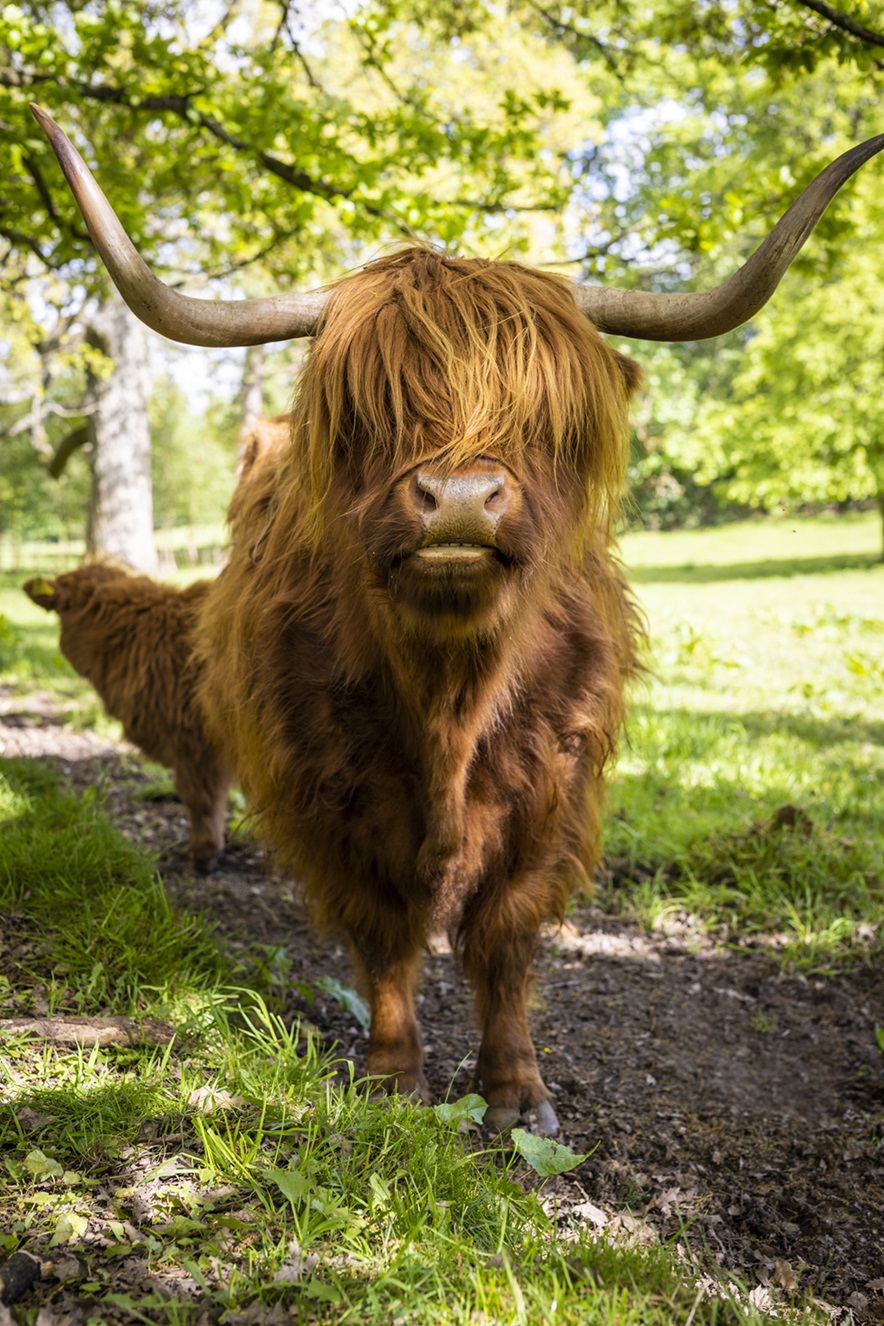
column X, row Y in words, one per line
column 459, row 429
column 452, row 547
column 78, row 599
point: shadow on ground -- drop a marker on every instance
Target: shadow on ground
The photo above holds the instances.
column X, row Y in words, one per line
column 711, row 573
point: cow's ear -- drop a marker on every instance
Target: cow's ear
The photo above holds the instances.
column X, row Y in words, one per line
column 42, row 591
column 632, row 372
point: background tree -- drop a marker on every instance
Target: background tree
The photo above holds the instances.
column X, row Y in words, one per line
column 647, row 144
column 802, row 418
column 251, row 156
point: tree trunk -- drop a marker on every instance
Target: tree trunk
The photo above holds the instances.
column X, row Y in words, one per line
column 253, row 387
column 120, row 521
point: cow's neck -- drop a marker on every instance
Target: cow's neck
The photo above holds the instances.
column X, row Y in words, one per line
column 449, row 692
column 454, row 694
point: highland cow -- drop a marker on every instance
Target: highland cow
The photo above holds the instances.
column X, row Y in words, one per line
column 417, row 657
column 132, row 639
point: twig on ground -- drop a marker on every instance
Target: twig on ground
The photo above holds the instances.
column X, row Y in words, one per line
column 89, row 1031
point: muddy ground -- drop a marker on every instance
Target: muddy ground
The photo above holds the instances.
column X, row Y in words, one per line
column 730, row 1104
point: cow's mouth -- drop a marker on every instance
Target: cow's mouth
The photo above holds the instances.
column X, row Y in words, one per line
column 454, row 554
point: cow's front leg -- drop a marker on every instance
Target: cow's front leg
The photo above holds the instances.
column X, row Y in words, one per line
column 203, row 785
column 395, row 1047
column 499, row 937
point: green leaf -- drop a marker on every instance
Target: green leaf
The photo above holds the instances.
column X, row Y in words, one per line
column 323, row 1293
column 348, row 998
column 68, row 1227
column 380, row 1189
column 42, row 1166
column 469, row 1109
column 545, row 1156
column 293, row 1185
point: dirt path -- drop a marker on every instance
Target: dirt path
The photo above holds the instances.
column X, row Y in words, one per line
column 731, row 1106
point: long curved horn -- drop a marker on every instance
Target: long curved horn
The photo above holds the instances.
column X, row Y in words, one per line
column 699, row 315
column 191, row 321
column 647, row 315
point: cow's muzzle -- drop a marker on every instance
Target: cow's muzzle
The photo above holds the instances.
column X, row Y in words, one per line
column 459, row 512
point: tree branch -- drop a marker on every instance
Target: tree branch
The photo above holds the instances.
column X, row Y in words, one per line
column 77, row 438
column 285, row 26
column 844, row 22
column 180, row 104
column 48, row 201
column 21, row 240
column 577, row 36
column 302, row 59
column 61, row 1030
column 222, row 25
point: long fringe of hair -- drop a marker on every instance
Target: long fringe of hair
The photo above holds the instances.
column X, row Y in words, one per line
column 422, row 354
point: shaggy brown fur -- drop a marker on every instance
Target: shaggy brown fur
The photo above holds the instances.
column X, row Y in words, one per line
column 422, row 730
column 133, row 640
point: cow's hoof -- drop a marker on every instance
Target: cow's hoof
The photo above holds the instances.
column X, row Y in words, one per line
column 206, row 858
column 501, row 1117
column 540, row 1118
column 545, row 1122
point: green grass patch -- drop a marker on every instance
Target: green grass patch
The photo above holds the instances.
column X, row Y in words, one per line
column 100, row 929
column 242, row 1173
column 239, row 1168
column 765, row 694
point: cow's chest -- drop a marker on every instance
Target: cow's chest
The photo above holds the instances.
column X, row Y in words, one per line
column 375, row 797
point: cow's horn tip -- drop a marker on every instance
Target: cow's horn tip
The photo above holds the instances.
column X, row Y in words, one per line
column 46, row 123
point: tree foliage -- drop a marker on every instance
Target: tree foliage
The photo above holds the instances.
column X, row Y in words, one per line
column 802, row 418
column 250, row 149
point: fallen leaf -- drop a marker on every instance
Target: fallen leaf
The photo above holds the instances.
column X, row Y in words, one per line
column 545, row 1156
column 593, row 1214
column 65, row 1267
column 631, row 1232
column 295, row 1265
column 785, row 1277
column 30, row 1120
column 68, row 1227
column 208, row 1099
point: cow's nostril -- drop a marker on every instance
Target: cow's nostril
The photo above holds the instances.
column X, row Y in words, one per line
column 427, row 487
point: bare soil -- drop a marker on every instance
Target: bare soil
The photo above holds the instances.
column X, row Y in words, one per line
column 728, row 1104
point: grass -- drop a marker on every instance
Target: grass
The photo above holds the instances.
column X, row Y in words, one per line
column 766, row 693
column 235, row 1168
column 240, row 1170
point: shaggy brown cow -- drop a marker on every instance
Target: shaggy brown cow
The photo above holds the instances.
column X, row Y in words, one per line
column 420, row 690
column 132, row 639
column 417, row 656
